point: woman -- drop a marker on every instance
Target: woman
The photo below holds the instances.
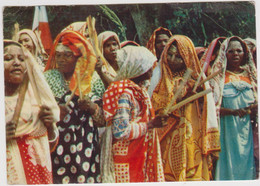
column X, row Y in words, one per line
column 235, row 97
column 30, row 137
column 190, row 139
column 109, row 43
column 210, row 55
column 156, row 44
column 33, row 43
column 76, row 159
column 128, row 112
column 158, row 41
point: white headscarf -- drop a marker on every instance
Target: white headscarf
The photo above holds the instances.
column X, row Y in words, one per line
column 134, row 61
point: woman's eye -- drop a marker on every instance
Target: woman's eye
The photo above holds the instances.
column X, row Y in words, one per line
column 21, row 58
column 8, row 57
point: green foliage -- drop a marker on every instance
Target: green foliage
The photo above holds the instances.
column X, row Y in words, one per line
column 202, row 22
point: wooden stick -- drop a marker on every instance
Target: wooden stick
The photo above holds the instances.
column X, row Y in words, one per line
column 211, row 76
column 79, row 86
column 94, row 39
column 20, row 100
column 16, row 30
column 73, row 92
column 186, row 77
column 188, row 100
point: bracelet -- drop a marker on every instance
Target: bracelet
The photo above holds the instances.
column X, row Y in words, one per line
column 56, row 136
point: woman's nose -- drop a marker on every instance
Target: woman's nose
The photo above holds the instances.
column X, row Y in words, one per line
column 16, row 61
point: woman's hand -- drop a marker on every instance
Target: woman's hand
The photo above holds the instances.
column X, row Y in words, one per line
column 240, row 112
column 157, row 122
column 64, row 110
column 10, row 129
column 99, row 65
column 87, row 105
column 46, row 116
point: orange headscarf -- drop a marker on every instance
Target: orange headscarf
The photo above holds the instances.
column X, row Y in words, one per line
column 80, row 46
column 189, row 56
column 151, row 42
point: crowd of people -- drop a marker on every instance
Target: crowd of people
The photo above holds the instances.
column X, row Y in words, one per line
column 167, row 111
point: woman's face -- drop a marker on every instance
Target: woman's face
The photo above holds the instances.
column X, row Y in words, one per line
column 27, row 42
column 65, row 59
column 235, row 53
column 14, row 65
column 110, row 47
column 160, row 42
column 174, row 59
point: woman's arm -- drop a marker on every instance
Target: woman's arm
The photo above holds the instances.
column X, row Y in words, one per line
column 124, row 126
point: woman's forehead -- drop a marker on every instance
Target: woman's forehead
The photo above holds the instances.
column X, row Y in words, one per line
column 62, row 48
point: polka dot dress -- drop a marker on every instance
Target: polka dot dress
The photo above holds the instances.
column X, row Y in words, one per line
column 76, row 158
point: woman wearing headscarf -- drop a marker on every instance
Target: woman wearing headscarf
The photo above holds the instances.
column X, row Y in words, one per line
column 31, row 114
column 129, row 114
column 158, row 41
column 190, row 139
column 33, row 43
column 156, row 44
column 211, row 53
column 235, row 93
column 71, row 65
column 109, row 43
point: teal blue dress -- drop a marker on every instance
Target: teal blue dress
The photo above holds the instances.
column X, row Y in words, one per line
column 236, row 160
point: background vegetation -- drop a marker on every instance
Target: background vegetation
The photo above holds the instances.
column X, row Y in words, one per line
column 202, row 22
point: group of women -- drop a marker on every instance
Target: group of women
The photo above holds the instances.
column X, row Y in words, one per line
column 134, row 114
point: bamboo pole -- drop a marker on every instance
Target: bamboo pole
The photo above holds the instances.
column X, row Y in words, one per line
column 186, row 77
column 20, row 100
column 188, row 100
column 16, row 30
column 79, row 86
column 210, row 76
column 94, row 39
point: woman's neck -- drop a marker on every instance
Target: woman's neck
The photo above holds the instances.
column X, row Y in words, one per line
column 235, row 69
column 11, row 89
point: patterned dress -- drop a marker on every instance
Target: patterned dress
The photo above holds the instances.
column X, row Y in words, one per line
column 136, row 151
column 76, row 158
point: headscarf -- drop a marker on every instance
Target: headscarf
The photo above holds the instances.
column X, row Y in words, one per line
column 189, row 56
column 217, row 83
column 163, row 93
column 104, row 36
column 132, row 57
column 81, row 27
column 86, row 62
column 41, row 91
column 133, row 61
column 128, row 42
column 207, row 56
column 200, row 51
column 151, row 42
column 39, row 49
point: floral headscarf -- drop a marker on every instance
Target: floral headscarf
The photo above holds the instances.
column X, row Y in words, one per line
column 80, row 46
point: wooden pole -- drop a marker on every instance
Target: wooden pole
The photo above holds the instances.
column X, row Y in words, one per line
column 20, row 100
